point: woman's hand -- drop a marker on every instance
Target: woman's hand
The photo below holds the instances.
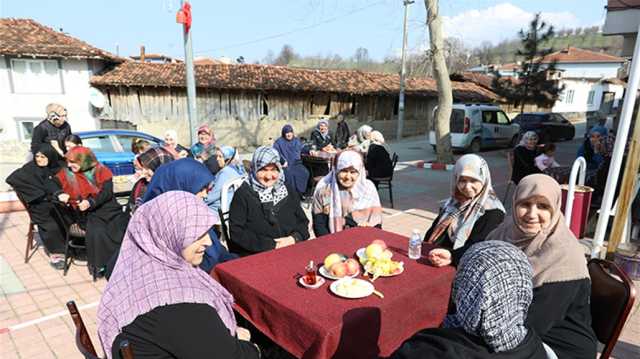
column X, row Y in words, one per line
column 243, row 334
column 84, row 205
column 63, row 197
column 183, row 154
column 284, row 242
column 439, row 257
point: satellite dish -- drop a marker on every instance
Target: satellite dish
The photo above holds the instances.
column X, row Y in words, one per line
column 96, row 98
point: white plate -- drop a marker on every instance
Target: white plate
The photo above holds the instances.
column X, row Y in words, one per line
column 363, row 258
column 325, row 273
column 319, row 282
column 365, row 291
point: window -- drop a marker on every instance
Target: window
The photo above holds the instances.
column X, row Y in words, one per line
column 100, row 144
column 25, row 129
column 502, row 118
column 36, row 76
column 489, row 117
column 569, row 98
column 590, row 98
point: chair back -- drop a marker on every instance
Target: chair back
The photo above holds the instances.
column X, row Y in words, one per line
column 83, row 340
column 612, row 297
column 394, row 162
column 126, row 352
column 223, row 211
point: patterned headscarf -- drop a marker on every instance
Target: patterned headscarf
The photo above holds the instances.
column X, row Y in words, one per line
column 261, row 158
column 154, row 158
column 554, row 252
column 492, row 292
column 363, row 133
column 459, row 218
column 88, row 182
column 323, row 122
column 361, row 200
column 151, row 272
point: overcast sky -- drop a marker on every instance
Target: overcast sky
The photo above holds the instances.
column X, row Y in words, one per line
column 253, row 27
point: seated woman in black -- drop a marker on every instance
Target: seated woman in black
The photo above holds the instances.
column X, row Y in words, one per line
column 560, row 312
column 468, row 216
column 345, row 198
column 378, row 161
column 265, row 213
column 524, row 157
column 88, row 188
column 158, row 299
column 321, row 138
column 492, row 292
column 34, row 185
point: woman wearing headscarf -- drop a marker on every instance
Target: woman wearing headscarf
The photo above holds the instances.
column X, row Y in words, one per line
column 321, row 138
column 72, row 141
column 87, row 186
column 171, row 145
column 148, row 161
column 594, row 148
column 468, row 216
column 290, row 149
column 205, row 146
column 345, row 198
column 265, row 214
column 560, row 312
column 230, row 169
column 52, row 130
column 362, row 139
column 34, row 185
column 191, row 176
column 492, row 292
column 157, row 299
column 378, row 160
column 524, row 157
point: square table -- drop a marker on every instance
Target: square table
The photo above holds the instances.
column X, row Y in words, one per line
column 315, row 323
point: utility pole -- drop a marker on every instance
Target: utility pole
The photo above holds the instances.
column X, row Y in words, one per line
column 188, row 63
column 402, row 72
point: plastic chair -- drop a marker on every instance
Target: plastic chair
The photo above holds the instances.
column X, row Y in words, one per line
column 386, row 181
column 223, row 211
column 32, row 244
column 612, row 297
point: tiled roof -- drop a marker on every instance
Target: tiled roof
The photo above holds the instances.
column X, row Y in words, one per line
column 280, row 78
column 614, row 5
column 576, row 55
column 26, row 37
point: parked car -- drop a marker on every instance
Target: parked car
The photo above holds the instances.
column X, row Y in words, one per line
column 478, row 126
column 113, row 148
column 550, row 127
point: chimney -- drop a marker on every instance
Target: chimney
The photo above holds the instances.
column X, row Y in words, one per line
column 141, row 53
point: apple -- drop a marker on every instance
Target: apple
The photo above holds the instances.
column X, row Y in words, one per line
column 380, row 242
column 373, row 250
column 339, row 270
column 352, row 266
column 332, row 259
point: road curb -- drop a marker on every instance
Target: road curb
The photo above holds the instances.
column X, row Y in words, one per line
column 438, row 166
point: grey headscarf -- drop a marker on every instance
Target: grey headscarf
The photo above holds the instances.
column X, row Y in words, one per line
column 492, row 292
column 261, row 158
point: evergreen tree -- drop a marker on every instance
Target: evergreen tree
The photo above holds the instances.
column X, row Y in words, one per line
column 533, row 86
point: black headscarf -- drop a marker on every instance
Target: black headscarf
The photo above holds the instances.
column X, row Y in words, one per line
column 33, row 182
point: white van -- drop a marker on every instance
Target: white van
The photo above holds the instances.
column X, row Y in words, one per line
column 477, row 126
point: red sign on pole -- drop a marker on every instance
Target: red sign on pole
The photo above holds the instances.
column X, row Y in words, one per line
column 184, row 16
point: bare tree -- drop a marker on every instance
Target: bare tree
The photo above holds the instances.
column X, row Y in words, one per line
column 445, row 94
column 286, row 56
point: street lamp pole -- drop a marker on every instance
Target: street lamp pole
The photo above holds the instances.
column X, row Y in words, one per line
column 402, row 72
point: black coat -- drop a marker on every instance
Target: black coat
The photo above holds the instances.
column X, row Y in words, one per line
column 561, row 314
column 524, row 163
column 45, row 132
column 449, row 343
column 481, row 229
column 319, row 141
column 185, row 330
column 378, row 162
column 342, row 134
column 249, row 225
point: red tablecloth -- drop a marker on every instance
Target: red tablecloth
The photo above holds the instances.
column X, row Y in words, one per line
column 317, row 324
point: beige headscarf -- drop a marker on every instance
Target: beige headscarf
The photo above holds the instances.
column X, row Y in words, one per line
column 554, row 252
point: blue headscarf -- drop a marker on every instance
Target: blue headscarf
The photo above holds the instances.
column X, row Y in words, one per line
column 289, row 150
column 185, row 174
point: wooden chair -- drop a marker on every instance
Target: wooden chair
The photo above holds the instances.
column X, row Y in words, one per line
column 32, row 244
column 612, row 297
column 386, row 181
column 83, row 340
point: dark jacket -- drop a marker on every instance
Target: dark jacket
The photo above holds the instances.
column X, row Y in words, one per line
column 378, row 162
column 561, row 314
column 524, row 163
column 45, row 132
column 185, row 330
column 449, row 343
column 481, row 229
column 319, row 141
column 253, row 227
column 342, row 134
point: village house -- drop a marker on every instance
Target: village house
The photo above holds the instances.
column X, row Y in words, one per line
column 248, row 104
column 590, row 80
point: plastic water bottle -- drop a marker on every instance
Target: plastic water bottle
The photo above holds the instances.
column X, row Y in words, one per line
column 415, row 245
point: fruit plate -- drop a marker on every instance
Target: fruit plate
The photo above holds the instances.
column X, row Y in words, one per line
column 319, row 282
column 351, row 288
column 325, row 273
column 360, row 253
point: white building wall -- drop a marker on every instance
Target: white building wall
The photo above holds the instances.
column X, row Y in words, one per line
column 590, row 71
column 581, row 88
